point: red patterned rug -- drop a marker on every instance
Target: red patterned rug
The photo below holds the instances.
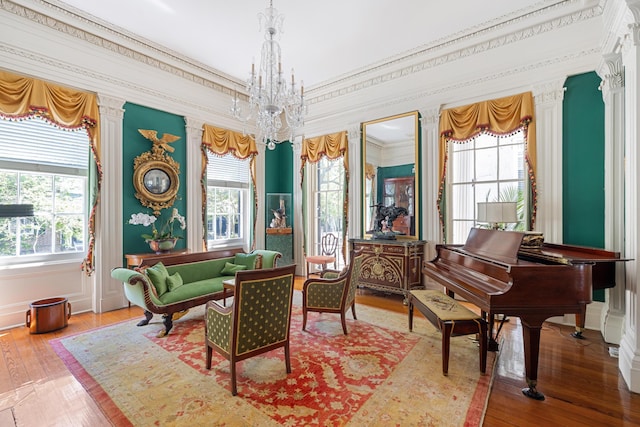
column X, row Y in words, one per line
column 378, row 374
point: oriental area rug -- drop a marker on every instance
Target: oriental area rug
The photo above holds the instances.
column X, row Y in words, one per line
column 380, row 374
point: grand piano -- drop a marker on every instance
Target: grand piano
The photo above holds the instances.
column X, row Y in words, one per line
column 494, row 271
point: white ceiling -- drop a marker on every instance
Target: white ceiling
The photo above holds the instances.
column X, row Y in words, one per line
column 322, row 41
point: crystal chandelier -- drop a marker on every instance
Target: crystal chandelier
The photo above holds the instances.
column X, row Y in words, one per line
column 270, row 95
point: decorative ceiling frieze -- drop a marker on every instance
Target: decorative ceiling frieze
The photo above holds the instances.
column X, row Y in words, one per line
column 178, row 65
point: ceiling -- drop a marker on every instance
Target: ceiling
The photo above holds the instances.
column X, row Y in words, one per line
column 323, row 41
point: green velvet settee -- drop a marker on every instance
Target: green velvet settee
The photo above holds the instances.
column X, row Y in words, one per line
column 170, row 285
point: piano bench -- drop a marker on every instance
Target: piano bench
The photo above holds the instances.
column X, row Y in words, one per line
column 451, row 318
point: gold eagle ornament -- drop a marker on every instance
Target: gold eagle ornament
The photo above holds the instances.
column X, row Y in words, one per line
column 163, row 142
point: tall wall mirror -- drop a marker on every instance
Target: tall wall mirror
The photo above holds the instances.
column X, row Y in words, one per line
column 391, row 171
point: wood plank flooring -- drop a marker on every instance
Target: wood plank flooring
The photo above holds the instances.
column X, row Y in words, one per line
column 579, row 378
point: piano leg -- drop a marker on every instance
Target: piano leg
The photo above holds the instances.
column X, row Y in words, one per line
column 580, row 319
column 531, row 327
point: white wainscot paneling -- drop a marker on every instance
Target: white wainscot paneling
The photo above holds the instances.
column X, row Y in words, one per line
column 19, row 287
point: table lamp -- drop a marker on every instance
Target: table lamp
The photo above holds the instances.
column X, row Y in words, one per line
column 496, row 213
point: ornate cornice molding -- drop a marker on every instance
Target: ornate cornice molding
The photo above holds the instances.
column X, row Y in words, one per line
column 481, row 47
column 163, row 58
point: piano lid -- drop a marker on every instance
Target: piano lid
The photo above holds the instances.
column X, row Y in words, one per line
column 499, row 245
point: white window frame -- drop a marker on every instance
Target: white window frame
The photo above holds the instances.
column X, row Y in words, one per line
column 522, row 181
column 313, row 210
column 57, row 136
column 245, row 208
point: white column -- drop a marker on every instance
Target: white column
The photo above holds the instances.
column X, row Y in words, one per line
column 108, row 293
column 355, row 214
column 629, row 354
column 431, row 227
column 612, row 73
column 195, row 228
column 298, row 231
column 548, row 115
column 261, row 225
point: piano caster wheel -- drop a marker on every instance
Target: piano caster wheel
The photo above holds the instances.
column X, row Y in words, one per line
column 532, row 393
column 578, row 335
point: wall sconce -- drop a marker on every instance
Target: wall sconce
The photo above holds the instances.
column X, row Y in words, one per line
column 16, row 211
column 496, row 213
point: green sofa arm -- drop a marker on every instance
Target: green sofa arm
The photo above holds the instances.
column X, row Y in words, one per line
column 137, row 288
column 269, row 258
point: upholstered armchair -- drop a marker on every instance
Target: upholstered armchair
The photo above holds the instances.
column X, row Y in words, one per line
column 333, row 292
column 257, row 321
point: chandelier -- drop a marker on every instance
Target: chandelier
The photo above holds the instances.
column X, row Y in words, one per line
column 271, row 96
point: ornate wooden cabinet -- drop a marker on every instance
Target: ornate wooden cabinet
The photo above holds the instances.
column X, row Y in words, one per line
column 390, row 265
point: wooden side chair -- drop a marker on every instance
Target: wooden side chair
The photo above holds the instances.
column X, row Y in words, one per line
column 333, row 292
column 258, row 320
column 328, row 249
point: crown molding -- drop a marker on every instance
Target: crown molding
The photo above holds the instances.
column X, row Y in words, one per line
column 118, row 41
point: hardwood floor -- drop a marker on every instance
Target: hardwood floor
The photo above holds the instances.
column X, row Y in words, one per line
column 579, row 378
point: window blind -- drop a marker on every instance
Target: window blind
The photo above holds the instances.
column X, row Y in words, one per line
column 34, row 143
column 228, row 171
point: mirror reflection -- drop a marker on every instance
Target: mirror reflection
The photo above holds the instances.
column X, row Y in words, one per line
column 390, row 176
column 157, row 181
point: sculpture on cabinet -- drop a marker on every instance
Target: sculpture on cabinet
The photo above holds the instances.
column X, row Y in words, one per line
column 385, row 218
column 155, row 174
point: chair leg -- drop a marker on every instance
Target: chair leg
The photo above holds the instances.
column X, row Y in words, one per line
column 343, row 317
column 287, row 358
column 304, row 317
column 234, row 387
column 353, row 310
column 209, row 351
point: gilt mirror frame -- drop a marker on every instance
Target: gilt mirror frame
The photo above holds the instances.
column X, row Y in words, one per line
column 158, row 195
column 413, row 137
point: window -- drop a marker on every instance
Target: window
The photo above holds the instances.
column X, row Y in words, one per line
column 485, row 168
column 46, row 166
column 328, row 202
column 228, row 180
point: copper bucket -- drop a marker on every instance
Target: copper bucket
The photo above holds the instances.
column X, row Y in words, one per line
column 48, row 315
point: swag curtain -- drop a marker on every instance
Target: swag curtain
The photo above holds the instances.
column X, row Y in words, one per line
column 498, row 116
column 23, row 97
column 332, row 146
column 221, row 142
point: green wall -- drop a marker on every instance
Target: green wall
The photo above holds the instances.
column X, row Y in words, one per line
column 140, row 117
column 583, row 163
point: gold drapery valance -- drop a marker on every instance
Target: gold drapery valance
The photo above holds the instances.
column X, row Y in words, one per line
column 333, row 146
column 498, row 116
column 369, row 171
column 65, row 107
column 221, row 142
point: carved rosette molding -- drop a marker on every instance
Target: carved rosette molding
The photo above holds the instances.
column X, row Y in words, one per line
column 549, row 92
column 353, row 132
column 484, row 46
column 430, row 117
column 614, row 79
column 111, row 106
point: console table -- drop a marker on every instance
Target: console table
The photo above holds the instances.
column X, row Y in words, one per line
column 390, row 265
column 134, row 260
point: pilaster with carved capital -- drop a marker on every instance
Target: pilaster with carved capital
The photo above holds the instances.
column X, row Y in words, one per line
column 548, row 116
column 108, row 293
column 196, row 194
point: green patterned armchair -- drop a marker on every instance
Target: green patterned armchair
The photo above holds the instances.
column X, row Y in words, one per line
column 258, row 320
column 333, row 292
